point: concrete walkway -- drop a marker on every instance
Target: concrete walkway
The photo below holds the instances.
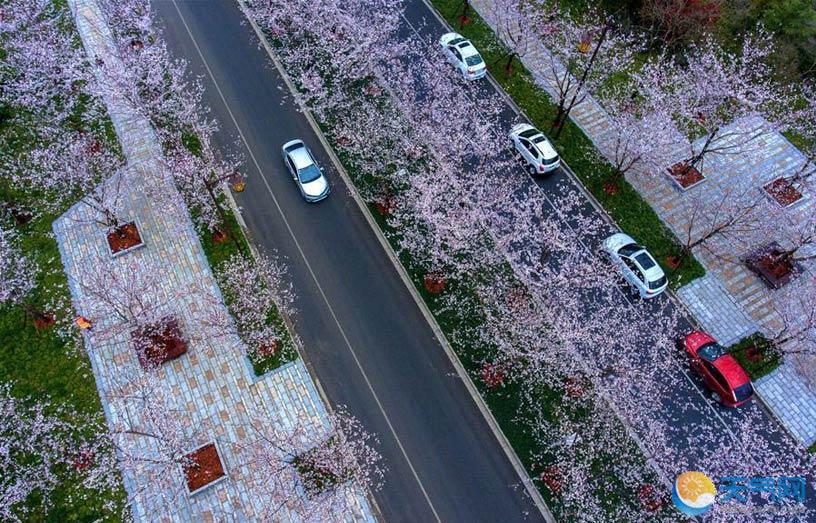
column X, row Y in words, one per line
column 211, row 384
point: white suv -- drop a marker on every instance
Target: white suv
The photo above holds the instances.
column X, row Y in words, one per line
column 534, row 148
column 637, row 265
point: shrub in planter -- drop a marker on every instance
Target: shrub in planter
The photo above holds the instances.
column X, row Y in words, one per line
column 159, row 342
column 124, row 237
column 573, row 387
column 202, row 467
column 43, row 320
column 434, row 282
column 385, row 206
column 267, row 350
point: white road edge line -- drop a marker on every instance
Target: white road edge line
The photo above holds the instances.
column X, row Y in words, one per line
column 608, row 219
column 532, row 491
column 297, row 244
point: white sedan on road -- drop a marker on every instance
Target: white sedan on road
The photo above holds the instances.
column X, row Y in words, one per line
column 637, row 265
column 461, row 52
column 535, row 149
column 304, row 170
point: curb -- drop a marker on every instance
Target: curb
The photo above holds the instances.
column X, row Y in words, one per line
column 535, row 495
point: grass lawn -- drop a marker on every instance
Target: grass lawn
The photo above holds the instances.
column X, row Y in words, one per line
column 42, row 366
column 757, row 363
column 629, row 210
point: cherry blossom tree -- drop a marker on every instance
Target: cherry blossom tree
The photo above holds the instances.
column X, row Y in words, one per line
column 34, row 444
column 125, row 299
column 315, row 469
column 45, row 70
column 678, row 21
column 149, row 440
column 17, row 272
column 583, row 53
column 728, row 98
column 253, row 289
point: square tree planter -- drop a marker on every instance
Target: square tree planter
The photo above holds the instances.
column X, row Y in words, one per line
column 685, row 176
column 766, row 264
column 159, row 342
column 124, row 238
column 783, row 191
column 203, row 468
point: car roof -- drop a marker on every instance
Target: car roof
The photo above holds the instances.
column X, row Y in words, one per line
column 654, row 272
column 731, row 370
column 467, row 49
column 545, row 147
column 300, row 157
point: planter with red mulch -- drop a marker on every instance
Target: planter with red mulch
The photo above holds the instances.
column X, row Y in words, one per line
column 219, row 236
column 674, row 262
column 685, row 176
column 159, row 342
column 434, row 282
column 43, row 320
column 783, row 191
column 771, row 265
column 267, row 349
column 386, row 206
column 124, row 238
column 203, row 469
column 611, row 188
column 650, row 498
column 492, row 375
column 551, row 477
column 573, row 387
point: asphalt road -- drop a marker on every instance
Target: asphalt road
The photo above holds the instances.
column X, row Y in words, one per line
column 363, row 334
column 685, row 405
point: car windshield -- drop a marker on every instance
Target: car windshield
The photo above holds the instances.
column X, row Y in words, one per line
column 550, row 161
column 528, row 133
column 743, row 392
column 711, row 351
column 658, row 283
column 473, row 60
column 456, row 41
column 628, row 250
column 309, row 174
column 645, row 261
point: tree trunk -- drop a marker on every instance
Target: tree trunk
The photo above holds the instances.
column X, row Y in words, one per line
column 563, row 113
column 224, row 219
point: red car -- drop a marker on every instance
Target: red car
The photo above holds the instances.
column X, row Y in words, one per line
column 722, row 374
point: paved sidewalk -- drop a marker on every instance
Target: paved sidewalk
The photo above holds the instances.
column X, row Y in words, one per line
column 212, row 383
column 792, row 400
column 730, row 300
column 716, row 311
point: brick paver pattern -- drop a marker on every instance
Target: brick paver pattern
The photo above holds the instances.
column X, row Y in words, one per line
column 212, row 382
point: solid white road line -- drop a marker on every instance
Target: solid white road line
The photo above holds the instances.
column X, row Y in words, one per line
column 305, row 260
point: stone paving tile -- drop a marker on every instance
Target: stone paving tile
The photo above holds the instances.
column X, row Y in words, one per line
column 716, row 311
column 772, row 157
column 212, row 382
column 791, row 400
